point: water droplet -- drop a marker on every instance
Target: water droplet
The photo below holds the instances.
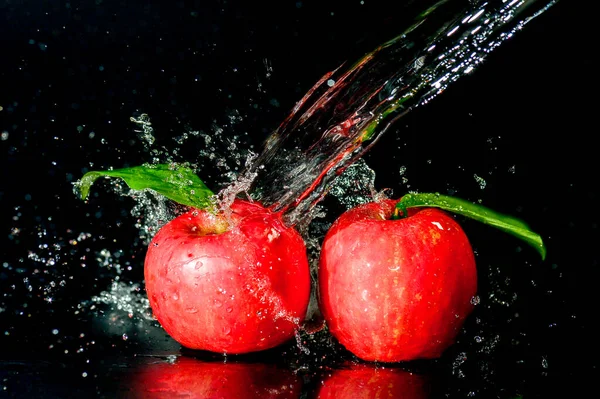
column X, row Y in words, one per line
column 475, row 300
column 175, row 297
column 125, row 337
column 300, row 343
column 171, row 359
column 198, row 265
column 229, row 310
column 218, row 303
column 481, row 181
column 227, row 330
column 191, row 310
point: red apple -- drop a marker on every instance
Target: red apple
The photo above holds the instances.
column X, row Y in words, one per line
column 228, row 283
column 191, row 378
column 362, row 381
column 396, row 290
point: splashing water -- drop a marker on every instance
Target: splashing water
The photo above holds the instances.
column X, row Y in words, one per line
column 329, row 128
column 146, row 134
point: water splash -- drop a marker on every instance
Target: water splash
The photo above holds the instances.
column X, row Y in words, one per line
column 124, row 298
column 345, row 112
column 355, row 186
column 146, row 134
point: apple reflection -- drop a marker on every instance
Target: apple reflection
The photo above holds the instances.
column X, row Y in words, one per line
column 366, row 381
column 192, row 378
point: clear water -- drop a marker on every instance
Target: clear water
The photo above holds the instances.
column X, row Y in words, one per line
column 347, row 110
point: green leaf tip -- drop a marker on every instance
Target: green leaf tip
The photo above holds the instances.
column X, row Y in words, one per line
column 508, row 224
column 176, row 182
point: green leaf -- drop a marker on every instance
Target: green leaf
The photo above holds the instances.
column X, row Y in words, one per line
column 176, row 182
column 506, row 223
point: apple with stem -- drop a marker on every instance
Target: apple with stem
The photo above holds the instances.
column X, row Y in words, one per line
column 231, row 285
column 233, row 281
column 397, row 278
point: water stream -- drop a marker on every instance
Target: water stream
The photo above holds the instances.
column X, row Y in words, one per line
column 349, row 108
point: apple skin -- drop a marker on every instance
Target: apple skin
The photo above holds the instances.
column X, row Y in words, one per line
column 396, row 290
column 192, row 378
column 229, row 284
column 363, row 381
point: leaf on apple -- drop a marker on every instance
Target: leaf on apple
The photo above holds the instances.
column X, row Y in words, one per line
column 176, row 182
column 506, row 223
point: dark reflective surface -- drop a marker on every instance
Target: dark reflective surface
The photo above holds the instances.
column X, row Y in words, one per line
column 515, row 134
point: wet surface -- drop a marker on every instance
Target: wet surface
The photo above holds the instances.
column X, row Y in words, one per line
column 516, row 134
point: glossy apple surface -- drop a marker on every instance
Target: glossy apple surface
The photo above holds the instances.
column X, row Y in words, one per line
column 396, row 290
column 360, row 381
column 192, row 378
column 228, row 284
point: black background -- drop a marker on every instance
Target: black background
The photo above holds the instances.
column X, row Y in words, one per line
column 524, row 121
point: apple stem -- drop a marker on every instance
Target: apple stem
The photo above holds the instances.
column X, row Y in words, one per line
column 399, row 212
